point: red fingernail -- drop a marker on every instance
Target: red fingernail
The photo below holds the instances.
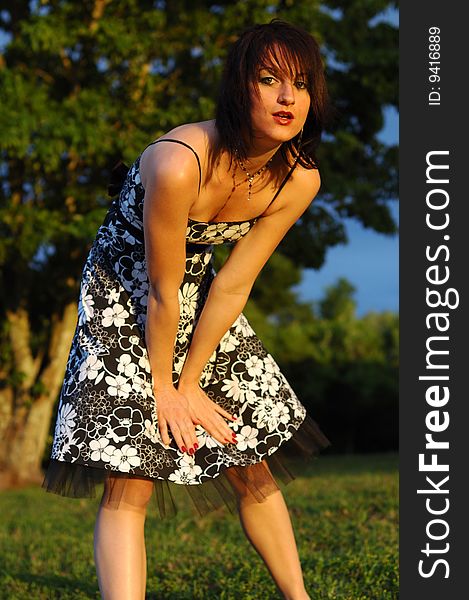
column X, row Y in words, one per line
column 196, row 446
column 184, row 449
column 191, row 451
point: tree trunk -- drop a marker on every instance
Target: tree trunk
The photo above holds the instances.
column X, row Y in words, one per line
column 26, row 417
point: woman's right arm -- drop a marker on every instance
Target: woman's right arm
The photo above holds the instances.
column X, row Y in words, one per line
column 170, row 178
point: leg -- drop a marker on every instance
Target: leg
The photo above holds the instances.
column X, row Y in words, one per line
column 268, row 528
column 119, row 542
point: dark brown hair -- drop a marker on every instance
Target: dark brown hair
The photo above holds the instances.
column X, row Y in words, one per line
column 277, row 45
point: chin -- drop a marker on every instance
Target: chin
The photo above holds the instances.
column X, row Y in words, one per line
column 283, row 136
column 277, row 135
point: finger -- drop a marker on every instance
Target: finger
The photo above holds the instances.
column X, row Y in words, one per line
column 194, row 418
column 187, row 430
column 184, row 434
column 163, row 428
column 223, row 427
column 177, row 436
column 211, row 428
column 222, row 439
column 221, row 411
column 219, row 432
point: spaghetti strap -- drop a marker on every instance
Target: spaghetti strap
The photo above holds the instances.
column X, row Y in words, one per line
column 120, row 169
column 287, row 177
column 187, row 146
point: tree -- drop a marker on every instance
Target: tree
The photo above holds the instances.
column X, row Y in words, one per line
column 83, row 84
column 348, row 374
column 338, row 302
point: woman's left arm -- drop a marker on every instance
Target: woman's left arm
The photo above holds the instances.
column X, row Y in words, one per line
column 232, row 284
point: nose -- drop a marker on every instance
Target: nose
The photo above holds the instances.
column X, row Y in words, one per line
column 286, row 93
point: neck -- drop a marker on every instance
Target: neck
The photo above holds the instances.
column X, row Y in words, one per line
column 259, row 154
column 260, row 148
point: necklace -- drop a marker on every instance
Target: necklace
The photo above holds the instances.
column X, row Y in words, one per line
column 249, row 177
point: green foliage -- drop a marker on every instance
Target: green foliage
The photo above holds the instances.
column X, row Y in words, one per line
column 338, row 303
column 327, row 331
column 344, row 512
column 84, row 84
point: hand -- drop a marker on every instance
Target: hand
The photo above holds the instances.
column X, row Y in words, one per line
column 173, row 409
column 207, row 413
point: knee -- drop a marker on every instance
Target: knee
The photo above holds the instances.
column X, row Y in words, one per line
column 127, row 492
column 252, row 483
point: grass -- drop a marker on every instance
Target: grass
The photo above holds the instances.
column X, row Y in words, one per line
column 344, row 511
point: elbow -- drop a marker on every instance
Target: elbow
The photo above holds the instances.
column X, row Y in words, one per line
column 163, row 294
column 231, row 288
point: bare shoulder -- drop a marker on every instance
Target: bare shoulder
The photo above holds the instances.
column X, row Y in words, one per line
column 191, row 133
column 305, row 183
column 299, row 191
column 158, row 160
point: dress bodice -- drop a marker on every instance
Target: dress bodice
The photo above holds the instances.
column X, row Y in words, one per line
column 217, row 232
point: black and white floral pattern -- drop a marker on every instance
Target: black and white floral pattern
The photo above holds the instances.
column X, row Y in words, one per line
column 107, row 411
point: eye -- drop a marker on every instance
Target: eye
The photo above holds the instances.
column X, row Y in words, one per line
column 301, row 85
column 267, row 80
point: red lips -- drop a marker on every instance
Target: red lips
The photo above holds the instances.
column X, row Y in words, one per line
column 284, row 113
column 283, row 117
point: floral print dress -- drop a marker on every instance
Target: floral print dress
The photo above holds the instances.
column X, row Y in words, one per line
column 107, row 420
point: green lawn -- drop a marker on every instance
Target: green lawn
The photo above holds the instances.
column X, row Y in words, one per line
column 344, row 511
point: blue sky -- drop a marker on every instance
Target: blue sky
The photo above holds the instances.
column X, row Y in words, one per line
column 370, row 261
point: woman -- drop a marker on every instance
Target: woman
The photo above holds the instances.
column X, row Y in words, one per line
column 167, row 384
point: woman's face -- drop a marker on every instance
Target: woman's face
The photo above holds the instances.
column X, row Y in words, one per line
column 280, row 109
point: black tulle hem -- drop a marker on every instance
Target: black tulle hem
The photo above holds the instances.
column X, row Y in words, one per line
column 252, row 483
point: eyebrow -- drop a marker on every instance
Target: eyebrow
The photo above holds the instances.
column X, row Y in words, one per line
column 270, row 68
column 276, row 71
